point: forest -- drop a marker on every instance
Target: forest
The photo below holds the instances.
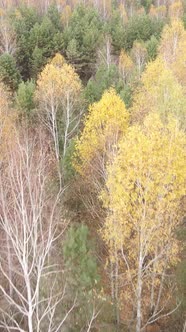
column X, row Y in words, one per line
column 93, row 165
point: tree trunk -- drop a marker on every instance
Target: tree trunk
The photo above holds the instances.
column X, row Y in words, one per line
column 139, row 291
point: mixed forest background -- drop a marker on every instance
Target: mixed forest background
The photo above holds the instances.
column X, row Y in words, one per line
column 92, row 165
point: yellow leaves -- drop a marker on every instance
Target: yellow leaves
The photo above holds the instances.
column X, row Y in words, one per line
column 176, row 10
column 158, row 12
column 58, row 61
column 106, row 122
column 164, row 80
column 66, row 15
column 139, row 55
column 123, row 12
column 144, row 186
column 56, row 81
column 160, row 92
column 172, row 36
column 7, row 119
column 125, row 65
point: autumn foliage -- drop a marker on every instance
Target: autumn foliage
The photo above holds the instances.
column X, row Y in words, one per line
column 92, row 165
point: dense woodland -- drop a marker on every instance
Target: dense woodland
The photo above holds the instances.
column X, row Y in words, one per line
column 93, row 165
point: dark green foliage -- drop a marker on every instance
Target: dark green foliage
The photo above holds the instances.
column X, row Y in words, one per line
column 152, row 48
column 82, row 274
column 38, row 38
column 54, row 16
column 79, row 258
column 37, row 61
column 126, row 95
column 9, row 73
column 105, row 78
column 68, row 169
column 184, row 20
column 25, row 97
column 142, row 27
column 82, row 37
column 146, row 4
column 117, row 30
column 42, row 35
column 23, row 23
column 46, row 41
column 139, row 27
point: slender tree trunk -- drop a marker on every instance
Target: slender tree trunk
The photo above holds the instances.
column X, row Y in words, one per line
column 139, row 290
column 9, row 266
column 66, row 125
column 117, row 291
column 184, row 327
column 30, row 305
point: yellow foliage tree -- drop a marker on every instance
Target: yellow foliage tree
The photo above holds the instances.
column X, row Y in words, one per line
column 158, row 12
column 126, row 65
column 139, row 56
column 58, row 60
column 58, row 91
column 159, row 92
column 176, row 10
column 173, row 49
column 106, row 122
column 66, row 15
column 123, row 13
column 144, row 188
column 7, row 119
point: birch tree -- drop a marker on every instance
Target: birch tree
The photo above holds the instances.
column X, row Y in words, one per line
column 159, row 92
column 145, row 185
column 29, row 221
column 173, row 49
column 7, row 37
column 126, row 66
column 58, row 92
column 105, row 124
column 139, row 55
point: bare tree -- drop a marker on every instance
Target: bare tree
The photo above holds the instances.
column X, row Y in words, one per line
column 7, row 37
column 29, row 218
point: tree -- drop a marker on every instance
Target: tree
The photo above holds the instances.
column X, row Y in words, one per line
column 125, row 66
column 38, row 38
column 82, row 274
column 9, row 73
column 105, row 124
column 7, row 36
column 139, row 56
column 152, row 48
column 7, row 118
column 58, row 92
column 123, row 13
column 29, row 222
column 158, row 12
column 176, row 10
column 47, row 40
column 85, row 30
column 25, row 98
column 144, row 188
column 104, row 79
column 116, row 28
column 23, row 20
column 65, row 16
column 173, row 49
column 146, row 4
column 140, row 28
column 159, row 92
column 105, row 53
column 106, row 121
column 172, row 36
